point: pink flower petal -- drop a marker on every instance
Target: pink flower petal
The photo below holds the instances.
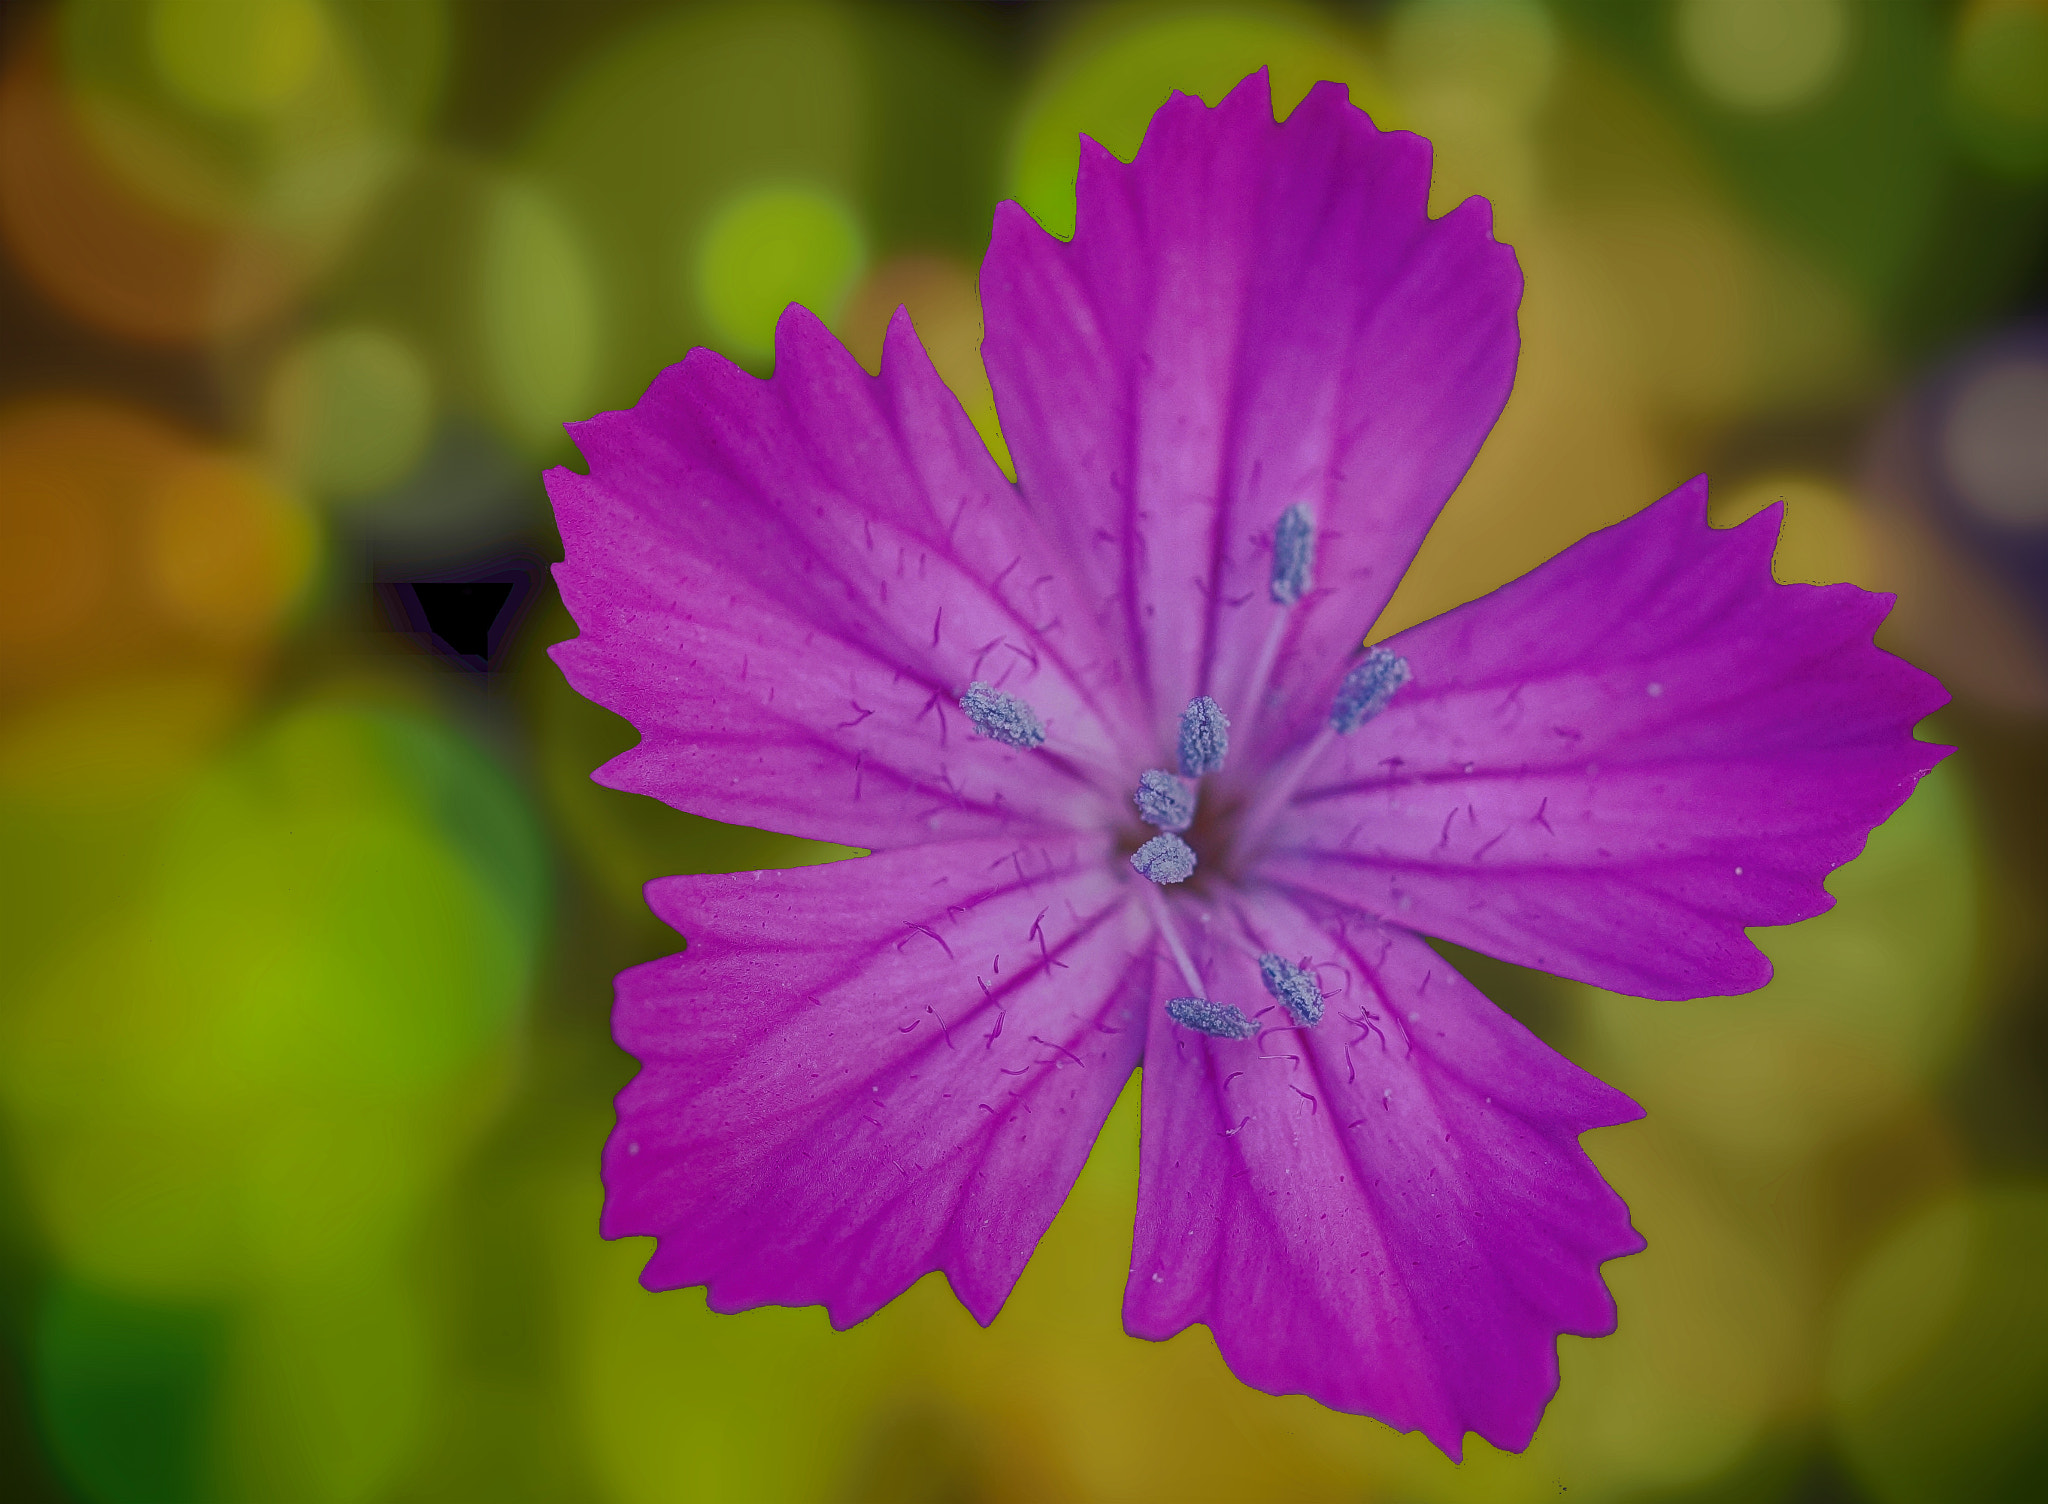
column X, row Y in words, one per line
column 862, row 1072
column 1388, row 1212
column 786, row 586
column 1249, row 316
column 1612, row 766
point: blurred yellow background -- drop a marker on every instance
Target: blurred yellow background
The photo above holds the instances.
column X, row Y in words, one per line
column 310, row 908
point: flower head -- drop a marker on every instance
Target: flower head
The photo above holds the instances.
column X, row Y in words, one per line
column 1135, row 794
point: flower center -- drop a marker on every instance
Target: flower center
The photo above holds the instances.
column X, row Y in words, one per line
column 1171, row 802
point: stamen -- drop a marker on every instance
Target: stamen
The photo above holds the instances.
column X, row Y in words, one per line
column 1002, row 717
column 1276, row 791
column 1262, row 671
column 1218, row 1020
column 1222, row 1020
column 1294, row 554
column 1367, row 689
column 1293, row 987
column 1204, row 737
column 1165, row 859
column 1164, row 800
column 1155, row 902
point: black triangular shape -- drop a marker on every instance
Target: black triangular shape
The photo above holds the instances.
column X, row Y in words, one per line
column 462, row 612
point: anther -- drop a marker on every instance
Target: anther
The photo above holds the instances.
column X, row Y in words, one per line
column 1204, row 737
column 1294, row 554
column 1217, row 1020
column 1164, row 800
column 1165, row 859
column 1367, row 689
column 1002, row 717
column 1293, row 987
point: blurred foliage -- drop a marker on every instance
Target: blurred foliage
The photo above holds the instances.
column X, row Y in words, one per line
column 310, row 914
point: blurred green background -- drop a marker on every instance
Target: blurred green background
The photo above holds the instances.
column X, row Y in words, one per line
column 310, row 908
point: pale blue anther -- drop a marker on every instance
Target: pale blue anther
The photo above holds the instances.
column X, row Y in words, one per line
column 1217, row 1020
column 1367, row 689
column 1164, row 800
column 1204, row 737
column 1293, row 988
column 1002, row 717
column 1165, row 859
column 1294, row 555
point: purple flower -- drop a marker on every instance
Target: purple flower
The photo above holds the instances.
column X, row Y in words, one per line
column 1236, row 399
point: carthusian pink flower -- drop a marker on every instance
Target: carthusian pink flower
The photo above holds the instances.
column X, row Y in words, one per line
column 1136, row 795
